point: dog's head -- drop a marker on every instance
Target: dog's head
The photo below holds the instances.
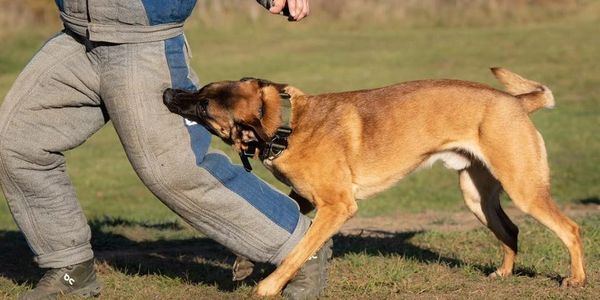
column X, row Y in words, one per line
column 239, row 112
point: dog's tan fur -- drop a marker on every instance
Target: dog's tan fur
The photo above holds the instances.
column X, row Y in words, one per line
column 351, row 145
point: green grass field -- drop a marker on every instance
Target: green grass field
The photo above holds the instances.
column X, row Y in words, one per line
column 146, row 252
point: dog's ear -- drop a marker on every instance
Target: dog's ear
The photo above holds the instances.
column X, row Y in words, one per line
column 266, row 83
column 267, row 116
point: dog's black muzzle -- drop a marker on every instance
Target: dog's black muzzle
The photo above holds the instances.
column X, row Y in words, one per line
column 169, row 100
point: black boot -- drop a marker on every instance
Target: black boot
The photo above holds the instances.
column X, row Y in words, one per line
column 311, row 280
column 79, row 279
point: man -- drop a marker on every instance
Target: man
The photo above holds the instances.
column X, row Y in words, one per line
column 113, row 61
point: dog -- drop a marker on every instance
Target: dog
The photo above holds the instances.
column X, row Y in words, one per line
column 340, row 147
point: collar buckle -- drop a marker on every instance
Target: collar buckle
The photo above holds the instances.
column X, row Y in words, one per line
column 277, row 145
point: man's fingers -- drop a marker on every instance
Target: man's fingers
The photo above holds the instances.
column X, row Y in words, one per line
column 277, row 7
column 298, row 9
column 292, row 6
column 302, row 10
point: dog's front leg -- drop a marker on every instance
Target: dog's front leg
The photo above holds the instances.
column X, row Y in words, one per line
column 330, row 216
column 305, row 206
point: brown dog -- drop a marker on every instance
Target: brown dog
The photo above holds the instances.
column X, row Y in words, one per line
column 351, row 145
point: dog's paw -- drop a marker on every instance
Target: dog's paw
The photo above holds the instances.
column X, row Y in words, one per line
column 571, row 282
column 265, row 291
column 267, row 288
column 499, row 274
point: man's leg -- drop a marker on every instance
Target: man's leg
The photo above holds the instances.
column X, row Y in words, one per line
column 52, row 107
column 221, row 200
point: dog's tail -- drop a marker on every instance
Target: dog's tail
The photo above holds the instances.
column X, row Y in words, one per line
column 534, row 94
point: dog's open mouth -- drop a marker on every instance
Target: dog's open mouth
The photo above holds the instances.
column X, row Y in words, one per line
column 245, row 140
column 247, row 134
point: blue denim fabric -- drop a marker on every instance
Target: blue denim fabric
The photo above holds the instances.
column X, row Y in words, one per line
column 168, row 11
column 60, row 5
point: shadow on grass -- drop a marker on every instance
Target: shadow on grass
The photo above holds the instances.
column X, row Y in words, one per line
column 589, row 201
column 378, row 243
column 196, row 260
column 201, row 260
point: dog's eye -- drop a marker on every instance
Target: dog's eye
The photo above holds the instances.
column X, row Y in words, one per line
column 202, row 108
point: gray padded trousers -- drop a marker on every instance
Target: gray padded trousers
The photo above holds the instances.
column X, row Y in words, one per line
column 68, row 91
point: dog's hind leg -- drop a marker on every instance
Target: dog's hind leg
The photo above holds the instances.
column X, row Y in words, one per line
column 481, row 192
column 523, row 170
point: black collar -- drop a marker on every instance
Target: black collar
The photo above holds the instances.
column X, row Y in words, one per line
column 270, row 150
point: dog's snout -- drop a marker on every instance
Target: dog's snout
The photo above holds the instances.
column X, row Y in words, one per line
column 168, row 96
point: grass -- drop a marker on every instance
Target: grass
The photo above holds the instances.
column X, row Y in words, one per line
column 146, row 252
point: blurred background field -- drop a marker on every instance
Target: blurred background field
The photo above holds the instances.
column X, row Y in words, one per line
column 346, row 45
column 24, row 13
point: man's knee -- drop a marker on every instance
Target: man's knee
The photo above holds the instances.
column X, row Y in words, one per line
column 173, row 163
column 11, row 154
column 19, row 152
column 8, row 149
column 164, row 175
column 185, row 172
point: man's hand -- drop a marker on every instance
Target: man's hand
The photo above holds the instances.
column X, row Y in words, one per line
column 299, row 9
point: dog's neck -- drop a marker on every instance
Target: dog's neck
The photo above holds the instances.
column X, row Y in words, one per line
column 278, row 143
column 290, row 103
column 296, row 100
column 285, row 104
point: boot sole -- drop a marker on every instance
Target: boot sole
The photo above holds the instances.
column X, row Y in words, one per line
column 92, row 290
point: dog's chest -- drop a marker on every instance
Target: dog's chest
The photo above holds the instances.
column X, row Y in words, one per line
column 269, row 165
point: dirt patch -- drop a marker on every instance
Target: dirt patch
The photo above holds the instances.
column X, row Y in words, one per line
column 445, row 221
